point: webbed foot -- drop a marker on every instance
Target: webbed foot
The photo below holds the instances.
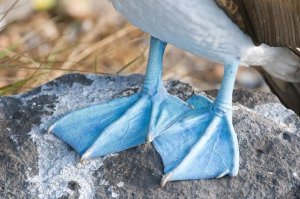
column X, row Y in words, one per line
column 124, row 122
column 202, row 144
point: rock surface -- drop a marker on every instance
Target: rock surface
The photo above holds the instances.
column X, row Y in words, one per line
column 35, row 164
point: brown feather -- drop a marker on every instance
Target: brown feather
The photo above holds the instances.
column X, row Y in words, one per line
column 273, row 22
column 287, row 92
column 276, row 23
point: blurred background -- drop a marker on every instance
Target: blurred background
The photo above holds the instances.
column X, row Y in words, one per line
column 44, row 39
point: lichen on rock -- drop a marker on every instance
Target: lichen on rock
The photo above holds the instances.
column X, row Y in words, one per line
column 36, row 164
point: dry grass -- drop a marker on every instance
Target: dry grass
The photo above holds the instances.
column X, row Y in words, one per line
column 45, row 46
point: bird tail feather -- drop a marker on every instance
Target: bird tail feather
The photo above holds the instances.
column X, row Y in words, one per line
column 287, row 92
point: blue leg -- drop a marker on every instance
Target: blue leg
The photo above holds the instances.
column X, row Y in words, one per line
column 124, row 122
column 202, row 144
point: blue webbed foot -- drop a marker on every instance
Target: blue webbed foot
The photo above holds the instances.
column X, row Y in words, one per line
column 82, row 127
column 202, row 144
column 124, row 122
column 119, row 124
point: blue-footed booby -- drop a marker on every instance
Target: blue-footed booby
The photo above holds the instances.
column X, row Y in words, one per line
column 196, row 138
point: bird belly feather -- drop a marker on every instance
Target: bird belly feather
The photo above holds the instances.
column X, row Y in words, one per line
column 202, row 28
column 199, row 27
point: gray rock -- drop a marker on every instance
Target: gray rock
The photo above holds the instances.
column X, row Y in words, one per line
column 35, row 164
